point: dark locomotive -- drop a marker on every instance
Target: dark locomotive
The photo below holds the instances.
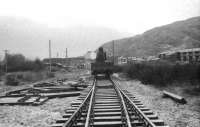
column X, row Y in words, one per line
column 101, row 64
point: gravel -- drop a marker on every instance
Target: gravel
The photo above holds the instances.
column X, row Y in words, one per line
column 34, row 116
column 173, row 113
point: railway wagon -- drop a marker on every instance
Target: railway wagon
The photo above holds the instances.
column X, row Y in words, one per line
column 102, row 68
column 101, row 65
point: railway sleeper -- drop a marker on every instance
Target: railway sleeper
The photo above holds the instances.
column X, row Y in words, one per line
column 70, row 111
column 141, row 106
column 107, row 102
column 102, row 124
column 107, row 118
column 107, row 110
column 142, row 109
column 106, row 97
column 57, row 125
column 80, row 99
column 76, row 103
column 151, row 117
column 67, row 115
column 81, row 96
column 107, row 106
column 154, row 119
column 116, row 123
column 62, row 120
column 101, row 119
column 107, row 113
column 145, row 112
column 140, row 123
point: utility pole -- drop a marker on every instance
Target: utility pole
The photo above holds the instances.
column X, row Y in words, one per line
column 113, row 52
column 66, row 54
column 49, row 55
column 6, row 66
column 57, row 56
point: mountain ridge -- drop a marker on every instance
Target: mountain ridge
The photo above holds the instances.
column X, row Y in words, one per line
column 177, row 35
column 20, row 35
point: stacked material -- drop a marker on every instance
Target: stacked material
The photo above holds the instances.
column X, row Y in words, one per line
column 38, row 94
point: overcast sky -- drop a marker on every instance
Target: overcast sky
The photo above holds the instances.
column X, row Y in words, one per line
column 130, row 16
column 134, row 16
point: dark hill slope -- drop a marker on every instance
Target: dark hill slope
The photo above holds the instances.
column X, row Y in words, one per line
column 178, row 35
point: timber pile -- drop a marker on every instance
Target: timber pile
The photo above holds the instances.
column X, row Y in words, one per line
column 39, row 93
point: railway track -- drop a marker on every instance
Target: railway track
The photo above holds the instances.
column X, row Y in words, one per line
column 105, row 104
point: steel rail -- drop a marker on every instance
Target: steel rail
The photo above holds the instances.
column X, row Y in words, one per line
column 124, row 106
column 87, row 123
column 76, row 114
column 142, row 116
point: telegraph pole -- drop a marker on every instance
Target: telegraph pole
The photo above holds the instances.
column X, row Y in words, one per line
column 6, row 63
column 66, row 54
column 49, row 55
column 113, row 52
column 57, row 55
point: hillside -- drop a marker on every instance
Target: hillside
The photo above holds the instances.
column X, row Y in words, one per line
column 20, row 35
column 178, row 35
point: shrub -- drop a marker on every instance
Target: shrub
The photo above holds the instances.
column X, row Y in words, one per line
column 17, row 62
column 160, row 73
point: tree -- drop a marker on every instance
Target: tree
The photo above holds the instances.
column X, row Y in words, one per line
column 15, row 61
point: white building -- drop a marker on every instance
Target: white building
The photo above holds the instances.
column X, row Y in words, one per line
column 90, row 55
column 122, row 60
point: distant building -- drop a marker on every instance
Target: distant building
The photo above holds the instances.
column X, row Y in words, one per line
column 152, row 58
column 122, row 60
column 129, row 60
column 185, row 55
column 90, row 55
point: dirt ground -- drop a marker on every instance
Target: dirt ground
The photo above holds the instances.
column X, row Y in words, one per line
column 36, row 116
column 173, row 113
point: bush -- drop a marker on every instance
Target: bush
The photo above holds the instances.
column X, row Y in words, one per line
column 163, row 73
column 17, row 62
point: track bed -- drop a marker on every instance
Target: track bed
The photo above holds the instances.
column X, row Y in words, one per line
column 105, row 104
